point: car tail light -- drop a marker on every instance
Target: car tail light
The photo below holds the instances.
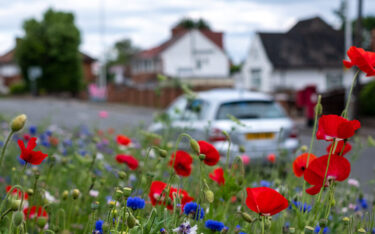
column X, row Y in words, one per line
column 293, row 132
column 216, row 135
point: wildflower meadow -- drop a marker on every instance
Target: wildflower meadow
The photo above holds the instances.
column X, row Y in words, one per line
column 82, row 180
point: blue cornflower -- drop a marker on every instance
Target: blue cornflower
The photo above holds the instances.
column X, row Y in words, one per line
column 317, row 229
column 135, row 203
column 98, row 227
column 21, row 161
column 67, row 143
column 363, row 203
column 214, row 225
column 1, row 144
column 373, row 231
column 163, row 230
column 265, row 183
column 299, row 206
column 191, row 208
column 242, row 233
column 32, row 129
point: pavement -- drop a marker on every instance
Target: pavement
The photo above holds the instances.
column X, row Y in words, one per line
column 71, row 112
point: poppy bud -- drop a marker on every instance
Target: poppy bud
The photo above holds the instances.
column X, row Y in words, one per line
column 30, row 192
column 65, row 195
column 15, row 204
column 122, row 175
column 323, row 223
column 209, row 195
column 195, row 146
column 309, row 230
column 162, row 153
column 248, row 218
column 41, row 222
column 319, row 109
column 346, row 220
column 303, row 148
column 18, row 123
column 114, row 212
column 18, row 218
column 131, row 221
column 333, row 202
column 127, row 191
column 75, row 193
column 202, row 157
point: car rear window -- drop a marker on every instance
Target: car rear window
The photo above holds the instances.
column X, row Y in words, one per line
column 250, row 110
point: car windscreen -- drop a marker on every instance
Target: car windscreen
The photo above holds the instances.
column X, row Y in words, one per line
column 250, row 110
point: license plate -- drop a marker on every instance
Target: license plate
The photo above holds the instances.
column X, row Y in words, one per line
column 260, row 135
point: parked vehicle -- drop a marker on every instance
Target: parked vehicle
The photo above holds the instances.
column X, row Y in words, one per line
column 256, row 124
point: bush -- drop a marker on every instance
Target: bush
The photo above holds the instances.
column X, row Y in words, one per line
column 18, row 88
column 367, row 99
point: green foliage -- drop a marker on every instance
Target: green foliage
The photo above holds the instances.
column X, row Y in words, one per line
column 52, row 44
column 18, row 88
column 367, row 99
column 125, row 50
column 189, row 23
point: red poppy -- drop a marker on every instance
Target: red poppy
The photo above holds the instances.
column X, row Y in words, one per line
column 182, row 163
column 16, row 192
column 334, row 126
column 35, row 212
column 299, row 164
column 218, row 176
column 123, row 140
column 128, row 159
column 211, row 153
column 271, row 158
column 26, row 137
column 339, row 170
column 54, row 140
column 265, row 201
column 30, row 156
column 364, row 60
column 156, row 197
column 339, row 146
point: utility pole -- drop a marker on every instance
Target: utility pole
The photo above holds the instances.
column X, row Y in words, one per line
column 102, row 82
column 358, row 43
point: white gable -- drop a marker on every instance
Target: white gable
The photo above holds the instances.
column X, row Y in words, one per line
column 194, row 55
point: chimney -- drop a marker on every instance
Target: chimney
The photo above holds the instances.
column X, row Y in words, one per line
column 177, row 30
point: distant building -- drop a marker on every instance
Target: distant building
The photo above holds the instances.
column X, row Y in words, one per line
column 309, row 54
column 188, row 54
column 10, row 73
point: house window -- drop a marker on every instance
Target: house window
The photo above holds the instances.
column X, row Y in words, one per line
column 256, row 78
column 334, row 80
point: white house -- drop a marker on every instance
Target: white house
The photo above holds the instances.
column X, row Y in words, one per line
column 188, row 54
column 309, row 54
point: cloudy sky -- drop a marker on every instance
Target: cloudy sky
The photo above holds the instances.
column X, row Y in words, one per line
column 148, row 22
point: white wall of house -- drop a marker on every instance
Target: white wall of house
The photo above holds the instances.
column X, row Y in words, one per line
column 9, row 70
column 257, row 68
column 195, row 56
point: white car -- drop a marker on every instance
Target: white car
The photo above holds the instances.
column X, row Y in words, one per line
column 256, row 124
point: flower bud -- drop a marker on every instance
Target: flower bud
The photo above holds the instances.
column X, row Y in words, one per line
column 118, row 194
column 346, row 220
column 127, row 191
column 30, row 192
column 209, row 195
column 41, row 222
column 202, row 157
column 131, row 221
column 18, row 218
column 65, row 195
column 18, row 123
column 319, row 109
column 15, row 204
column 248, row 218
column 112, row 204
column 162, row 153
column 122, row 175
column 303, row 148
column 195, row 146
column 242, row 149
column 75, row 193
column 323, row 223
column 309, row 230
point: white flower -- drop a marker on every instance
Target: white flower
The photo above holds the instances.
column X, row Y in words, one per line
column 49, row 197
column 185, row 228
column 353, row 182
column 94, row 193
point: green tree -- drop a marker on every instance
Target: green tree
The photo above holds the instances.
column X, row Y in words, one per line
column 52, row 44
column 189, row 23
column 124, row 50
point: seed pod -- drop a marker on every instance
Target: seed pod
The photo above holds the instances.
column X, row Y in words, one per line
column 41, row 222
column 75, row 193
column 248, row 218
column 65, row 195
column 127, row 191
column 30, row 192
column 15, row 204
column 18, row 123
